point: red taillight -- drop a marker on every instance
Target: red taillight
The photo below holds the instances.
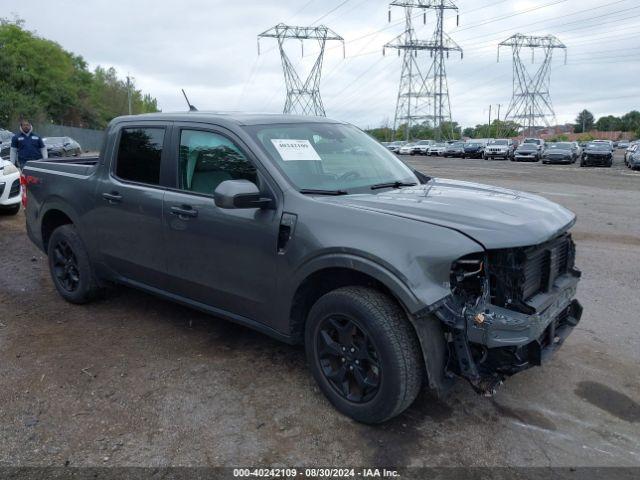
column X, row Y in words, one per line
column 23, row 183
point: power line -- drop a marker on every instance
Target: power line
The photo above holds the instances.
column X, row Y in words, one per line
column 511, row 15
column 330, row 12
column 491, row 41
column 299, row 11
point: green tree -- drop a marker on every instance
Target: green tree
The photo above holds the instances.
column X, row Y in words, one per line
column 42, row 81
column 608, row 124
column 469, row 132
column 382, row 134
column 584, row 122
column 497, row 129
column 631, row 121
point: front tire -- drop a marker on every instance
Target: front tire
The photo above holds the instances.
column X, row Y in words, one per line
column 363, row 353
column 70, row 268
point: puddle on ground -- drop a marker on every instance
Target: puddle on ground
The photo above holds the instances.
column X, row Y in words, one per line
column 616, row 403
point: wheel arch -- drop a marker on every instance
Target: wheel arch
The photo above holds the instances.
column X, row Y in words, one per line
column 56, row 215
column 328, row 273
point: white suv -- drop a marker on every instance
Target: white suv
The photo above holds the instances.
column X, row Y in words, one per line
column 500, row 148
column 10, row 189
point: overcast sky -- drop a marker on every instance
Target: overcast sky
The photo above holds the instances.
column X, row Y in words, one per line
column 209, row 48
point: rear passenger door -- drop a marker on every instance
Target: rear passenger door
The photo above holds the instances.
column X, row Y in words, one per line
column 129, row 199
column 219, row 257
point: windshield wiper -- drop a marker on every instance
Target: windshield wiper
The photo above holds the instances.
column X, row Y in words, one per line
column 309, row 191
column 392, row 185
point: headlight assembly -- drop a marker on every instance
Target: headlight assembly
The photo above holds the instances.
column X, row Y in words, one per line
column 9, row 169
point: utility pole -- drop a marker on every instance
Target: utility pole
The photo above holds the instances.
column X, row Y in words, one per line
column 489, row 124
column 423, row 97
column 303, row 98
column 531, row 101
column 129, row 94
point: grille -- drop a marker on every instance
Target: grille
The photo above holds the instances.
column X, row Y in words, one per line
column 516, row 275
column 15, row 188
column 2, row 185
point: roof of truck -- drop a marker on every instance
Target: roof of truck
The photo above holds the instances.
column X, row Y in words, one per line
column 238, row 118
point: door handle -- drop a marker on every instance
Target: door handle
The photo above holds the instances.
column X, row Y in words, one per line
column 184, row 211
column 114, row 197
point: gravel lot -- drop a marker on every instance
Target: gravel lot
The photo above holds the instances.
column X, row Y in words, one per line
column 136, row 381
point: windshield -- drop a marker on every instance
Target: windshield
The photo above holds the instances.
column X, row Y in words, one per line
column 598, row 146
column 456, row 145
column 332, row 157
column 474, row 143
column 53, row 140
column 528, row 146
column 500, row 142
column 560, row 146
column 532, row 140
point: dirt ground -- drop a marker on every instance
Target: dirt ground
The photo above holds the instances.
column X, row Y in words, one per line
column 136, row 381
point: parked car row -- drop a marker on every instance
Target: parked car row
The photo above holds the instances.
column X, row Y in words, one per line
column 632, row 155
column 62, row 147
column 594, row 153
column 598, row 152
column 56, row 146
column 561, row 152
column 5, row 143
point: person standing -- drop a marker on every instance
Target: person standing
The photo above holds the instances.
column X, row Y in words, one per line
column 26, row 146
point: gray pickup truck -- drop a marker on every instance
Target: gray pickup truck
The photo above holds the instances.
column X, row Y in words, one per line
column 310, row 231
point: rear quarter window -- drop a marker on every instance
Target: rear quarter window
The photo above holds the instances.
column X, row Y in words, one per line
column 139, row 155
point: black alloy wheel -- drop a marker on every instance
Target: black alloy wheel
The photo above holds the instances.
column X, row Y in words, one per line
column 70, row 267
column 65, row 266
column 348, row 359
column 364, row 353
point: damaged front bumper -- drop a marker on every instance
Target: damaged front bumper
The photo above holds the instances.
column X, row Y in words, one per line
column 489, row 343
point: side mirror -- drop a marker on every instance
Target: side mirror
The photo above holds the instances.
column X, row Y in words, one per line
column 240, row 194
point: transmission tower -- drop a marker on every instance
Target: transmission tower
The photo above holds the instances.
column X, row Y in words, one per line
column 303, row 98
column 530, row 104
column 423, row 97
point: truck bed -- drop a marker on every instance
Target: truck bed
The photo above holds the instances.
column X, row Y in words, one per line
column 82, row 166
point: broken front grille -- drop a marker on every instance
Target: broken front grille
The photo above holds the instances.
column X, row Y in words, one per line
column 516, row 275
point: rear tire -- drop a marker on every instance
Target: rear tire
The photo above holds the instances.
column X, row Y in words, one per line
column 70, row 268
column 363, row 353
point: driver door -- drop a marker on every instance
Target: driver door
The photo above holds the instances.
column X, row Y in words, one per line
column 224, row 258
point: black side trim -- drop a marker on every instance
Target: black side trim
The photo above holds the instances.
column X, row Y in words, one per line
column 218, row 312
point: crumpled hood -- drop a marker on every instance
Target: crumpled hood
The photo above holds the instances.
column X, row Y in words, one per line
column 494, row 217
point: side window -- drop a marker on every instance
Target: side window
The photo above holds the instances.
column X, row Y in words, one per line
column 208, row 159
column 139, row 155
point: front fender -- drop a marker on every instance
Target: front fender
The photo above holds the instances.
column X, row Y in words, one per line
column 393, row 279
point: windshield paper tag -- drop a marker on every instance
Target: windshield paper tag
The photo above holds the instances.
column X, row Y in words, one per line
column 291, row 150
